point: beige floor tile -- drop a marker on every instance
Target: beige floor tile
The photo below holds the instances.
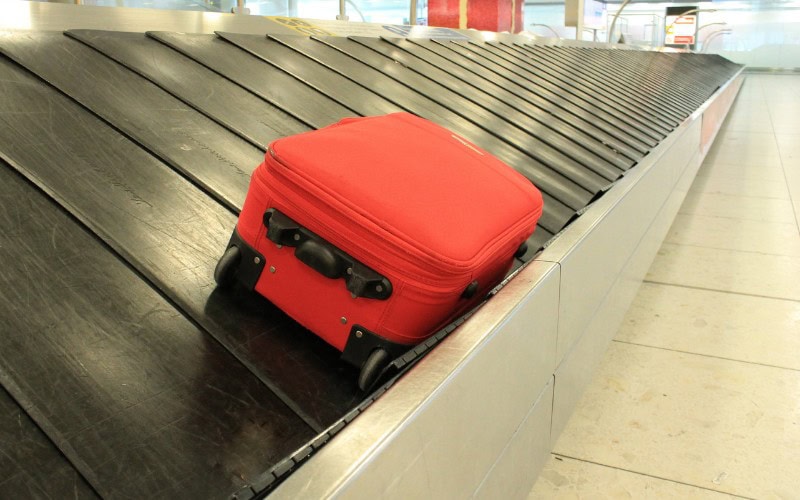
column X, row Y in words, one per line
column 790, row 158
column 754, row 114
column 780, row 84
column 750, row 110
column 751, row 85
column 724, row 425
column 793, row 180
column 751, row 103
column 782, row 104
column 755, row 106
column 564, row 478
column 741, row 140
column 789, row 149
column 775, row 238
column 785, row 125
column 727, row 270
column 733, row 326
column 756, row 122
column 792, row 172
column 751, row 89
column 787, row 140
column 745, row 156
column 747, row 101
column 738, row 207
column 748, row 97
column 743, row 186
column 753, row 172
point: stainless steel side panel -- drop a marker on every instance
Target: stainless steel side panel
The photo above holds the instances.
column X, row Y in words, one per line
column 438, row 431
column 594, row 250
column 514, row 474
column 577, row 367
column 605, row 256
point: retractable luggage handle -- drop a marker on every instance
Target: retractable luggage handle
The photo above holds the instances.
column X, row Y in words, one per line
column 326, row 259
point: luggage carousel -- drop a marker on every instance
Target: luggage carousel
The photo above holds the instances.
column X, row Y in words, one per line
column 125, row 156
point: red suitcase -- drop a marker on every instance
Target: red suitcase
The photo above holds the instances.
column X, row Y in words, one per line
column 376, row 232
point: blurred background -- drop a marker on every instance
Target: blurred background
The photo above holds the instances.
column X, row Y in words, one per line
column 763, row 34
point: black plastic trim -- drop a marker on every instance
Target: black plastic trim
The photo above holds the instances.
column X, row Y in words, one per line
column 252, row 263
column 362, row 342
column 325, row 258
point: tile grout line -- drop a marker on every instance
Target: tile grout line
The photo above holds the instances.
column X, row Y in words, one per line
column 730, row 217
column 714, row 172
column 691, row 245
column 707, row 355
column 682, row 212
column 736, row 195
column 705, row 289
column 795, row 207
column 650, row 475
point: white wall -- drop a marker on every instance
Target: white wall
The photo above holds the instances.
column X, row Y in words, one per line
column 769, row 38
column 551, row 15
column 764, row 34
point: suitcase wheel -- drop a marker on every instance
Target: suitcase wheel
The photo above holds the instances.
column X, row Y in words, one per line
column 521, row 250
column 372, row 368
column 225, row 272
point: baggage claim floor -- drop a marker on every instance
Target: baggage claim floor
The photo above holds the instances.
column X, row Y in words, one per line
column 698, row 395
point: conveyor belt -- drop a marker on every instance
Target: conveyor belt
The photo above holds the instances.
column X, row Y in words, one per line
column 557, row 66
column 539, row 83
column 165, row 227
column 503, row 86
column 264, row 80
column 133, row 394
column 125, row 159
column 242, row 112
column 199, row 148
column 616, row 90
column 31, row 466
column 568, row 139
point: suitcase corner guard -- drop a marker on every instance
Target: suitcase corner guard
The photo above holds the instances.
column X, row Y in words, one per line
column 362, row 342
column 240, row 262
column 326, row 259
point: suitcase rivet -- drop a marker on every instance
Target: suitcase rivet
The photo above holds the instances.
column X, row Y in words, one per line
column 379, row 288
column 257, row 260
column 343, row 320
column 359, row 333
column 349, row 270
column 272, row 269
column 279, row 246
column 296, row 237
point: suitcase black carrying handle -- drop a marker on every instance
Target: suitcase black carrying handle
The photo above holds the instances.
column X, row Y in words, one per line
column 325, row 258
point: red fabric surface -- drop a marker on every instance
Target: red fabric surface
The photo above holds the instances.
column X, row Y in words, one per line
column 414, row 180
